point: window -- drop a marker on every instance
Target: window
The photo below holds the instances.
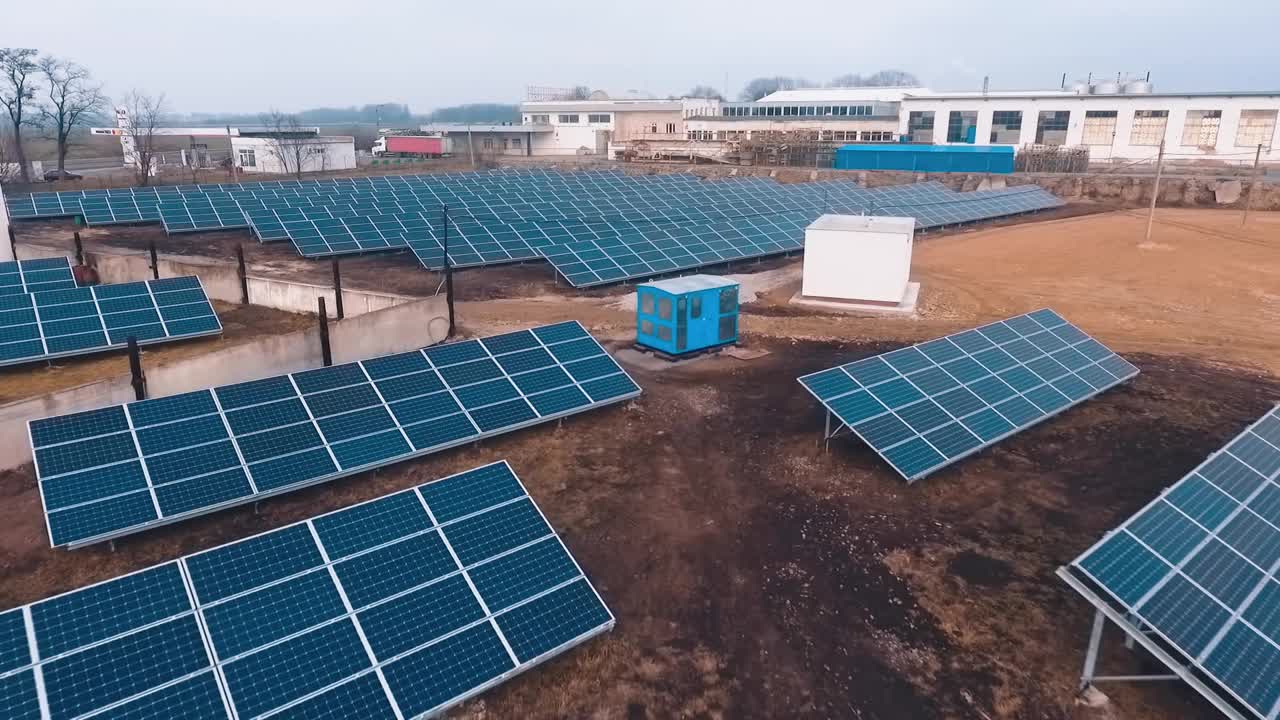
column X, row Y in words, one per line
column 876, row 136
column 488, row 143
column 960, row 125
column 540, row 119
column 728, row 327
column 646, row 303
column 1200, row 129
column 515, row 143
column 1099, row 127
column 664, row 310
column 1051, row 128
column 920, row 126
column 1148, row 127
column 1257, row 127
column 1006, row 127
column 664, row 333
column 569, row 119
column 728, row 300
column 646, row 327
column 695, row 308
column 671, row 128
column 599, row 118
column 248, row 158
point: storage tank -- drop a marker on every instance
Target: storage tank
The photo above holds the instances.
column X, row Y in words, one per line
column 1137, row 87
column 1105, row 87
column 1079, row 87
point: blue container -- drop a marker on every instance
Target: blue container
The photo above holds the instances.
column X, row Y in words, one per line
column 687, row 314
column 927, row 158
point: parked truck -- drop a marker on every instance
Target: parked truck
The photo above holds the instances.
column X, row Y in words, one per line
column 411, row 146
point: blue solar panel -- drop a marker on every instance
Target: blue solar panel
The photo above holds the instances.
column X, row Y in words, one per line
column 119, row 470
column 38, row 275
column 926, row 406
column 401, row 606
column 1197, row 566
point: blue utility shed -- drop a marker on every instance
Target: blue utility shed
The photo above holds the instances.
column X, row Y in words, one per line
column 687, row 314
column 926, row 158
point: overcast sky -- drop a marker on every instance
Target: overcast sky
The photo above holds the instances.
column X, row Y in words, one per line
column 249, row 55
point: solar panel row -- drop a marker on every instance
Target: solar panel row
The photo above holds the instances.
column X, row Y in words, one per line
column 1198, row 568
column 394, row 608
column 926, row 406
column 121, row 469
column 29, row 276
column 58, row 323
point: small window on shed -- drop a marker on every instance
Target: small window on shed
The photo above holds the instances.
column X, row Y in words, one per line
column 695, row 310
column 728, row 300
column 646, row 303
column 646, row 327
column 728, row 327
column 664, row 333
column 664, row 308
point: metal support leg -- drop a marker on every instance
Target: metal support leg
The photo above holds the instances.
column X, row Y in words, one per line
column 826, row 434
column 1091, row 656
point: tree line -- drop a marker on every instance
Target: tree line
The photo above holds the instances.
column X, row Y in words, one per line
column 45, row 94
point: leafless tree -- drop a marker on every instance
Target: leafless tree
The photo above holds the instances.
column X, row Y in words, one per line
column 19, row 77
column 292, row 145
column 8, row 159
column 704, row 91
column 881, row 78
column 144, row 115
column 73, row 98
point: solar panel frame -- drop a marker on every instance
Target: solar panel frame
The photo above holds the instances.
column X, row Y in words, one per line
column 486, row 406
column 36, row 275
column 891, row 387
column 1231, row 500
column 208, row 590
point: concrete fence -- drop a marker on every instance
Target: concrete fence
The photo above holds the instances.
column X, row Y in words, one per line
column 390, row 330
column 222, row 280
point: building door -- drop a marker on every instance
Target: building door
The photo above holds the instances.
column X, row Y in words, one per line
column 602, row 142
column 682, row 324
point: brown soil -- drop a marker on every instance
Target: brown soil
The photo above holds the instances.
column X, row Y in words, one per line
column 754, row 575
column 240, row 324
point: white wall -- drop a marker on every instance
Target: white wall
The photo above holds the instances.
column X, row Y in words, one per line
column 858, row 258
column 339, row 154
column 6, row 250
column 1125, row 106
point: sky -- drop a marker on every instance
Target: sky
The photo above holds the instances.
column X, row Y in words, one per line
column 249, row 56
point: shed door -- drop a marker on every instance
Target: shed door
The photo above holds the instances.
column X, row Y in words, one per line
column 682, row 324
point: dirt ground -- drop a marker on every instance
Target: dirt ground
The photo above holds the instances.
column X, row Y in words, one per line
column 240, row 324
column 755, row 575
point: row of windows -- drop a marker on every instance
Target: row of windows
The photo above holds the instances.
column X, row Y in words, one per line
column 795, row 110
column 507, row 143
column 830, row 135
column 1199, row 128
column 572, row 118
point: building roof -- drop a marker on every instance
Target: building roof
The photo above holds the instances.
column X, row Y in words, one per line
column 839, row 95
column 863, row 223
column 923, row 94
column 603, row 106
column 464, row 127
column 690, row 283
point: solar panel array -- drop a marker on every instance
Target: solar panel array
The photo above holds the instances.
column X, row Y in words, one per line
column 122, row 469
column 1197, row 567
column 58, row 323
column 394, row 608
column 926, row 406
column 29, row 276
column 596, row 227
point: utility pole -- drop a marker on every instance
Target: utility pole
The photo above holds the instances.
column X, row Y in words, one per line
column 1253, row 186
column 1155, row 190
column 448, row 267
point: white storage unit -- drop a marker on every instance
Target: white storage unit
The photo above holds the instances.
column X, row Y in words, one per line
column 858, row 259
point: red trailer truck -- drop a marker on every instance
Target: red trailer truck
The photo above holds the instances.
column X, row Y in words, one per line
column 410, row 146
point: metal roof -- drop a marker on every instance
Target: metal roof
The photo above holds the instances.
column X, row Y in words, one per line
column 839, row 95
column 464, row 127
column 690, row 283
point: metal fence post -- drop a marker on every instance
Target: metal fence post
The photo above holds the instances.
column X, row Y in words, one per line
column 448, row 269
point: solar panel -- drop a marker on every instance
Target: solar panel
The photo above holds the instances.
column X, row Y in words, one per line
column 1197, row 567
column 398, row 607
column 77, row 321
column 122, row 469
column 926, row 406
column 37, row 275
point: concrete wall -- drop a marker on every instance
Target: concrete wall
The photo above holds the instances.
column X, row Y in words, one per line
column 222, row 282
column 391, row 330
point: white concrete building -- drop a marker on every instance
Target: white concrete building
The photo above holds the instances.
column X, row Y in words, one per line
column 860, row 114
column 464, row 139
column 316, row 153
column 587, row 127
column 1113, row 124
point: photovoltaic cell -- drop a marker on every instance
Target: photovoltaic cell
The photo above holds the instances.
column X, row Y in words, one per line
column 118, row 470
column 365, row 612
column 1197, row 566
column 926, row 406
column 37, row 275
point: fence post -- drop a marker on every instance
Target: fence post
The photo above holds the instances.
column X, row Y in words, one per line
column 448, row 268
column 337, row 289
column 243, row 275
column 137, row 378
column 13, row 243
column 79, row 248
column 325, row 353
column 155, row 264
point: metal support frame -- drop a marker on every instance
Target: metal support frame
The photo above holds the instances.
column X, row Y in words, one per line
column 337, row 289
column 155, row 264
column 243, row 275
column 1090, row 677
column 448, row 267
column 325, row 352
column 137, row 378
column 79, row 247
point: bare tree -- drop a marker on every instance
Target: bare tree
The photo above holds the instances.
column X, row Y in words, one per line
column 18, row 83
column 292, row 145
column 143, row 114
column 704, row 91
column 580, row 92
column 9, row 171
column 881, row 78
column 761, row 86
column 73, row 99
